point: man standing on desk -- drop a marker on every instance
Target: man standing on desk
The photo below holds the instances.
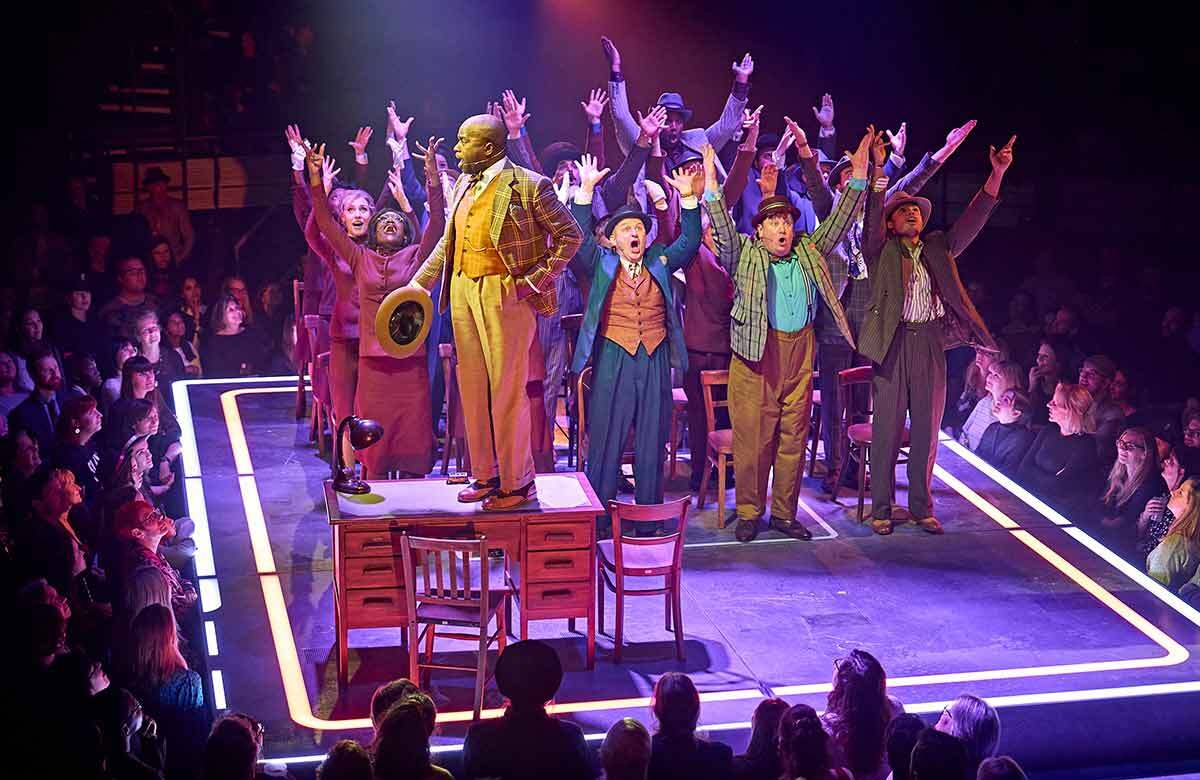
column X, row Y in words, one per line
column 507, row 239
column 918, row 309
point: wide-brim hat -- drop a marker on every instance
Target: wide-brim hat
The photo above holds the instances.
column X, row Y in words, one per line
column 555, row 153
column 903, row 199
column 682, row 157
column 403, row 320
column 154, row 175
column 767, row 141
column 773, row 205
column 529, row 671
column 626, row 212
column 836, row 170
column 673, row 101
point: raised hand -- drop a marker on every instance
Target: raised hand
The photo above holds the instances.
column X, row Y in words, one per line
column 594, row 105
column 589, row 175
column 652, row 123
column 751, row 124
column 562, row 188
column 879, row 151
column 858, row 160
column 1003, row 158
column 799, row 137
column 513, row 113
column 709, row 155
column 954, row 139
column 899, row 139
column 329, row 171
column 768, row 178
column 743, row 69
column 825, row 114
column 396, row 187
column 315, row 159
column 655, row 193
column 296, row 144
column 359, row 144
column 397, row 129
column 779, row 155
column 428, row 154
column 611, row 54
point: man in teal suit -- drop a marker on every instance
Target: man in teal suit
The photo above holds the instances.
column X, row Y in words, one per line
column 632, row 333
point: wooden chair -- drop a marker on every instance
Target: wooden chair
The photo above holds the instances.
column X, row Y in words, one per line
column 322, row 411
column 814, row 426
column 720, row 442
column 570, row 325
column 583, row 390
column 456, row 439
column 303, row 367
column 657, row 561
column 678, row 409
column 445, row 595
column 858, row 434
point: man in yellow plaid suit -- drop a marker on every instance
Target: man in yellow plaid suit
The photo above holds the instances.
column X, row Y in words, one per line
column 507, row 239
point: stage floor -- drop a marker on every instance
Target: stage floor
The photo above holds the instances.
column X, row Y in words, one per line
column 1088, row 660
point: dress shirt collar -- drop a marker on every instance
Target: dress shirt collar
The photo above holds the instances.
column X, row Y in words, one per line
column 490, row 173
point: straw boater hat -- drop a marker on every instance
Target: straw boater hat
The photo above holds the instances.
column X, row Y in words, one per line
column 403, row 321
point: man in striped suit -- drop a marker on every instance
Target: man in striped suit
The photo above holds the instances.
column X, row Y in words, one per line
column 918, row 309
column 778, row 277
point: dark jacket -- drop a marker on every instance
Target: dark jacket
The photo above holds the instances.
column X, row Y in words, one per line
column 676, row 758
column 526, row 745
column 1004, row 446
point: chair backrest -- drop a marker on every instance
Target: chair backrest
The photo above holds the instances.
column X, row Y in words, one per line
column 709, row 380
column 651, row 513
column 571, row 323
column 847, row 379
column 318, row 335
column 583, row 388
column 445, row 575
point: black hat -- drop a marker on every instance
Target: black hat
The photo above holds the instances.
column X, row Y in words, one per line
column 683, row 156
column 673, row 101
column 836, row 171
column 529, row 672
column 154, row 175
column 80, row 282
column 773, row 205
column 767, row 141
column 555, row 153
column 625, row 212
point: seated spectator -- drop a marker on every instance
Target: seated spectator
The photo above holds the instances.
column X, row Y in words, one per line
column 163, row 269
column 1189, row 452
column 402, row 747
column 804, row 748
column 625, row 752
column 75, row 448
column 938, row 756
column 140, row 382
column 526, row 742
column 135, row 591
column 120, row 717
column 83, row 376
column 75, row 330
column 271, row 312
column 857, row 713
column 182, row 346
column 231, row 750
column 47, row 545
column 1122, row 393
column 231, row 349
column 1134, row 479
column 193, row 308
column 1067, row 325
column 117, row 314
column 1000, row 768
column 143, row 528
column 1062, row 466
column 31, row 341
column 761, row 759
column 346, row 760
column 389, row 694
column 10, row 395
column 1096, row 375
column 1006, row 441
column 22, row 460
column 39, row 412
column 110, row 389
column 171, row 692
column 235, row 287
column 973, row 388
column 1155, row 519
column 976, row 723
column 1002, row 375
column 900, row 737
column 95, row 264
column 1175, row 562
column 676, row 751
column 168, row 366
column 1047, row 372
column 1022, row 330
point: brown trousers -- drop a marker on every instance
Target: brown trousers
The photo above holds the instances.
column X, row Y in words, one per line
column 492, row 335
column 770, row 403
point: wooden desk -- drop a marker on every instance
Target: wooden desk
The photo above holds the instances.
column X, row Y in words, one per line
column 549, row 549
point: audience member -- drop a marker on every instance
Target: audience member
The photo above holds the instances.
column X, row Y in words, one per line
column 10, row 395
column 1096, row 375
column 900, row 737
column 402, row 748
column 143, row 528
column 625, row 752
column 75, row 449
column 22, row 460
column 1155, row 519
column 167, row 364
column 1006, row 441
column 110, row 389
column 181, row 345
column 804, row 748
column 83, row 376
column 1062, row 465
column 40, row 410
column 976, row 723
column 676, row 751
column 761, row 759
column 938, row 756
column 1134, row 479
column 526, row 742
column 1175, row 562
column 1000, row 768
column 347, row 760
column 162, row 282
column 857, row 713
column 75, row 329
column 232, row 748
column 231, row 350
column 121, row 719
column 1001, row 376
column 117, row 315
column 166, row 216
column 1049, row 369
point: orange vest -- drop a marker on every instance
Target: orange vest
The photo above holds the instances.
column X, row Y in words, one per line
column 474, row 253
column 636, row 313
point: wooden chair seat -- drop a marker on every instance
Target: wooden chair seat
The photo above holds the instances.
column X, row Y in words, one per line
column 640, row 561
column 721, row 441
column 861, row 433
column 452, row 615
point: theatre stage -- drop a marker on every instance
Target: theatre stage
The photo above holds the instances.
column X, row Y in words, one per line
column 1089, row 662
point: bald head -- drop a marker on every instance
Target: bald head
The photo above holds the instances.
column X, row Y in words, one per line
column 480, row 142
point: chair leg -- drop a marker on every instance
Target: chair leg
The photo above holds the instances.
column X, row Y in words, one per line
column 481, row 669
column 502, row 626
column 816, row 438
column 676, row 602
column 600, row 590
column 862, row 479
column 667, row 610
column 571, row 625
column 708, row 461
column 301, row 393
column 618, row 629
column 721, row 490
column 414, row 663
column 430, row 633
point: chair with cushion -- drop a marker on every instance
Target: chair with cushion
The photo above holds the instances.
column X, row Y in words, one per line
column 814, row 426
column 583, row 391
column 678, row 412
column 456, row 435
column 652, row 565
column 452, row 590
column 720, row 442
column 859, row 434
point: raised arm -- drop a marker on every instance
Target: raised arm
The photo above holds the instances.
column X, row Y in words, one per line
column 623, row 122
column 437, row 200
column 818, row 189
column 831, row 232
column 720, row 131
column 518, row 145
column 330, row 229
column 827, row 135
column 874, row 229
column 593, row 109
column 724, row 234
column 975, row 216
column 739, row 172
column 682, row 251
column 616, row 188
column 583, row 263
column 301, row 202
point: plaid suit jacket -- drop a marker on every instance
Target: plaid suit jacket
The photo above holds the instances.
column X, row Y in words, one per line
column 748, row 265
column 534, row 233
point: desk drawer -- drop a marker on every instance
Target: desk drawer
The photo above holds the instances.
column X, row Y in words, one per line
column 374, row 572
column 558, row 566
column 361, row 544
column 551, row 598
column 560, row 536
column 376, row 607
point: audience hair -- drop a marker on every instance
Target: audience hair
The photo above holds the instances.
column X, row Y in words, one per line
column 231, row 752
column 154, row 655
column 402, row 742
column 977, row 724
column 899, row 738
column 938, row 756
column 803, row 743
column 858, row 709
column 764, row 728
column 346, row 760
column 1000, row 768
column 676, row 705
column 1124, row 481
column 625, row 752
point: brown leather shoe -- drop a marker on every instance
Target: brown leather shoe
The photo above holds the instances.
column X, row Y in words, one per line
column 502, row 500
column 929, row 525
column 881, row 525
column 478, row 491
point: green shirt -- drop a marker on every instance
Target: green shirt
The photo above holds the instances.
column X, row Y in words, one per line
column 790, row 294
